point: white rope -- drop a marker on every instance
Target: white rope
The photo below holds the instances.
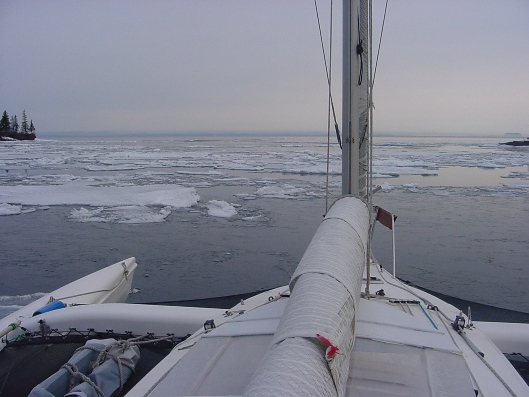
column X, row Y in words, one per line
column 74, row 371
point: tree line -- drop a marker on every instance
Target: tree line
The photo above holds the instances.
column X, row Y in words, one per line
column 10, row 128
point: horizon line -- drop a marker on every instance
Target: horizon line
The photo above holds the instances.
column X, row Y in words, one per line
column 271, row 133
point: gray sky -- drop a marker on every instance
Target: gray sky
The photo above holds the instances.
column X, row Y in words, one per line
column 445, row 67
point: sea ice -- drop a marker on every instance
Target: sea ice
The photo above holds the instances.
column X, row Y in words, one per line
column 285, row 191
column 81, row 194
column 256, row 218
column 221, row 209
column 121, row 214
column 386, row 187
column 8, row 209
column 317, row 169
column 517, row 185
column 393, row 171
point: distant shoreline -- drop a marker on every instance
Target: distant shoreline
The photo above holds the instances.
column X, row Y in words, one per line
column 203, row 134
column 18, row 137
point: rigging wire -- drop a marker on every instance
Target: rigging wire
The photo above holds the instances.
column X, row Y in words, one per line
column 327, row 71
column 379, row 44
column 371, row 107
column 330, row 107
column 370, row 146
column 372, row 74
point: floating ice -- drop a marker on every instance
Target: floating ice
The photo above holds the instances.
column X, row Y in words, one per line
column 210, row 173
column 121, row 214
column 206, row 163
column 239, row 166
column 517, row 185
column 255, row 218
column 386, row 187
column 47, row 161
column 120, row 204
column 393, row 171
column 318, row 169
column 285, row 191
column 8, row 209
column 411, row 187
column 246, row 196
column 491, row 165
column 80, row 194
column 221, row 209
column 518, row 174
column 116, row 167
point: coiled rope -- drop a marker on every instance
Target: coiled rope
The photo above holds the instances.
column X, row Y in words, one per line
column 105, row 352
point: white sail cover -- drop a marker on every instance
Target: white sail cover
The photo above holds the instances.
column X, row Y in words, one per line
column 311, row 348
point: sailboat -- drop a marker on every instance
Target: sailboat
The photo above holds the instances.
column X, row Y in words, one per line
column 343, row 326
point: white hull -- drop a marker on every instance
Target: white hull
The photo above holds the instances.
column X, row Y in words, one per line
column 508, row 337
column 125, row 317
column 108, row 285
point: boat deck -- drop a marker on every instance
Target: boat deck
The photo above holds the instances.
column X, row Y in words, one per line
column 401, row 347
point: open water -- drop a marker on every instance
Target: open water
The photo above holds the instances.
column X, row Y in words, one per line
column 214, row 215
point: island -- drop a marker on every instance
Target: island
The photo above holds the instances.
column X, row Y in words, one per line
column 11, row 130
column 517, row 143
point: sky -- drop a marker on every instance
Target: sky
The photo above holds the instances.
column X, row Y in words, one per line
column 446, row 67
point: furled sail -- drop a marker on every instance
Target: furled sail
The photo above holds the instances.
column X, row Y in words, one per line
column 311, row 348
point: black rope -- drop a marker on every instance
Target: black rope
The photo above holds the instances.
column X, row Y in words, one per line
column 360, row 51
column 337, row 129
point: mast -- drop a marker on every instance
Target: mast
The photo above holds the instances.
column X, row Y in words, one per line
column 354, row 102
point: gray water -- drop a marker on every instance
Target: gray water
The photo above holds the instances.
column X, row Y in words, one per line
column 70, row 207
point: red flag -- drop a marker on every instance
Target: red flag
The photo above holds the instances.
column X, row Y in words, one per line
column 384, row 217
column 331, row 350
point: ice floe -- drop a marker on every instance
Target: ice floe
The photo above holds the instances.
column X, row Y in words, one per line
column 8, row 209
column 81, row 194
column 284, row 191
column 221, row 209
column 121, row 214
column 143, row 180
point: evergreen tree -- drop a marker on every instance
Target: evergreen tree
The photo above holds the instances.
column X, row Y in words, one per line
column 31, row 127
column 5, row 126
column 25, row 126
column 14, row 124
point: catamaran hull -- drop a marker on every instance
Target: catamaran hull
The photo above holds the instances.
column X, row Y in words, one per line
column 508, row 337
column 123, row 318
column 108, row 285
